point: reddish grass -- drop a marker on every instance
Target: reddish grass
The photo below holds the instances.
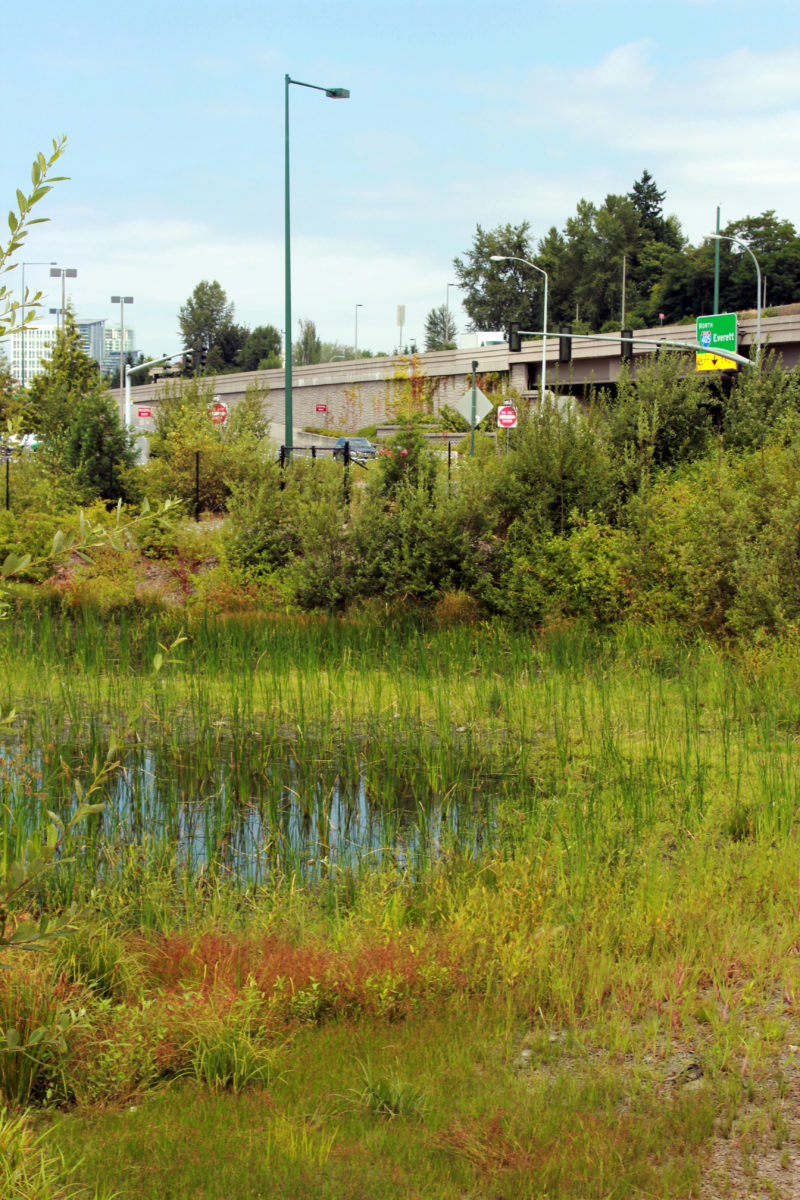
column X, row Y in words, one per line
column 382, row 978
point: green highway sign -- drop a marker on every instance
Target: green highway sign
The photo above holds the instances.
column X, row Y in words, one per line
column 720, row 331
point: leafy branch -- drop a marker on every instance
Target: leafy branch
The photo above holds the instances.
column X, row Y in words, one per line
column 87, row 537
column 19, row 223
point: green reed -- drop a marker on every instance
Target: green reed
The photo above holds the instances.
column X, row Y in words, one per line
column 309, row 746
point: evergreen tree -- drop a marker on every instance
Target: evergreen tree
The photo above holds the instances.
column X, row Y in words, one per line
column 53, row 396
column 440, row 329
column 97, row 449
column 647, row 200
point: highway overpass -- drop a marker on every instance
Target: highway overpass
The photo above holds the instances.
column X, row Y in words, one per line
column 348, row 395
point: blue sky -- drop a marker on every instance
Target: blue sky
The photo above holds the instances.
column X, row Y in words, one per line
column 459, row 114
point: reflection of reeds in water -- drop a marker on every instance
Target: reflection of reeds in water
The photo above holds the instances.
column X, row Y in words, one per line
column 293, row 747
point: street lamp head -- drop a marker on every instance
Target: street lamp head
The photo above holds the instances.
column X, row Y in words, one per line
column 495, row 258
column 728, row 237
column 337, row 93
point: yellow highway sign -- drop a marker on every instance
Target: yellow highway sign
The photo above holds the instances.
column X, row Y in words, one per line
column 713, row 362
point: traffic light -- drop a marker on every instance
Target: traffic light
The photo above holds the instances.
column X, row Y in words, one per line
column 565, row 344
column 203, row 355
column 514, row 337
column 188, row 362
column 626, row 346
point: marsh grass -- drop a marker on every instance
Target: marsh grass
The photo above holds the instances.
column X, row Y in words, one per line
column 593, row 838
column 30, row 1169
column 272, row 749
column 388, row 1095
column 583, row 1127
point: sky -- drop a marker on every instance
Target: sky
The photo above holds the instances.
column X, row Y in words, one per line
column 459, row 114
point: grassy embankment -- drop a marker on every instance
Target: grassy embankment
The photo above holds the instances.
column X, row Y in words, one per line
column 433, row 911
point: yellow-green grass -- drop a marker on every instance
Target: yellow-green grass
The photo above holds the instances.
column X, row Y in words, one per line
column 493, row 1116
column 585, row 974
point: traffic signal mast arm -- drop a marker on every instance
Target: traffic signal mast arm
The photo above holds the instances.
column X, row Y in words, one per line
column 694, row 347
column 129, row 370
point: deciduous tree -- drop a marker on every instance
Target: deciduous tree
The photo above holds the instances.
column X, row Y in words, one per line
column 492, row 296
column 204, row 315
column 262, row 349
column 308, row 348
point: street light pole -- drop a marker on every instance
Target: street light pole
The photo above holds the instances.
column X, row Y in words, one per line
column 726, row 237
column 355, row 343
column 121, row 301
column 447, row 310
column 22, row 310
column 332, row 94
column 514, row 258
column 65, row 273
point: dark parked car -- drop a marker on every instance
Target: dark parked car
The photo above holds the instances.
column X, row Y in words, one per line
column 361, row 448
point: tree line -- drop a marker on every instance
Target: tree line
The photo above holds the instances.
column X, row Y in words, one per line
column 629, row 238
column 207, row 320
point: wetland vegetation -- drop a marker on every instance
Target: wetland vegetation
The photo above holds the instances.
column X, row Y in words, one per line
column 413, row 908
column 442, row 833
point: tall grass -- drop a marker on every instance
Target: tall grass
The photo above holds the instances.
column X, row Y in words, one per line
column 280, row 748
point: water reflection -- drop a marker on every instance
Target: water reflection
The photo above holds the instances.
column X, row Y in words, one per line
column 251, row 818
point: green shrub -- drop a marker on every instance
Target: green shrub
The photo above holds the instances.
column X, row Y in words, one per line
column 761, row 401
column 97, row 449
column 658, row 419
column 230, row 455
column 582, row 575
column 717, row 547
column 268, row 524
column 559, row 464
column 405, row 460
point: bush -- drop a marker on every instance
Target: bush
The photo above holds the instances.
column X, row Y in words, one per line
column 717, row 547
column 662, row 418
column 559, row 464
column 97, row 449
column 232, row 455
column 267, row 522
column 761, row 401
column 582, row 575
column 406, row 461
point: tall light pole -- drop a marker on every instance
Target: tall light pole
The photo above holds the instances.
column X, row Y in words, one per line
column 726, row 237
column 355, row 343
column 22, row 310
column 122, row 301
column 514, row 258
column 65, row 273
column 332, row 94
column 447, row 310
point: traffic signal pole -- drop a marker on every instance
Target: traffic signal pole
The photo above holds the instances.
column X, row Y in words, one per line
column 694, row 347
column 129, row 370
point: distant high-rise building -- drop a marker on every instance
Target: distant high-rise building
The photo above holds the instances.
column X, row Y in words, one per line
column 36, row 342
column 111, row 350
column 93, row 338
column 98, row 340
